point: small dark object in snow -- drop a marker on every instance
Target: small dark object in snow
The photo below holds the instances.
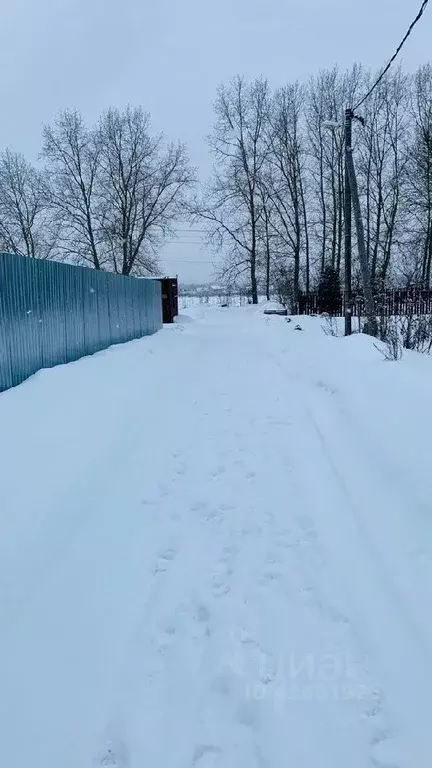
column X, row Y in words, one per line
column 289, row 320
column 298, row 328
column 224, row 305
column 282, row 312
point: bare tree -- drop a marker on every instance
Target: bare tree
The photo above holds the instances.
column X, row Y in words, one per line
column 231, row 207
column 326, row 104
column 420, row 171
column 287, row 179
column 142, row 188
column 72, row 156
column 266, row 234
column 24, row 225
column 115, row 190
column 327, row 97
column 409, row 262
column 382, row 171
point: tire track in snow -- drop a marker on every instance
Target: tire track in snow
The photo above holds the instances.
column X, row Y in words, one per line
column 257, row 715
column 223, row 687
column 180, row 575
column 247, row 711
column 371, row 579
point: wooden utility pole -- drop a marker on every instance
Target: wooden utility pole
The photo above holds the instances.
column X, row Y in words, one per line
column 348, row 225
column 372, row 325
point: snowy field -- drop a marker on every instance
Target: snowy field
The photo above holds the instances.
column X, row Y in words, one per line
column 189, row 302
column 216, row 552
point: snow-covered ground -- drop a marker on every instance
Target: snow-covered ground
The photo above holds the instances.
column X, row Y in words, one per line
column 216, row 552
column 205, row 300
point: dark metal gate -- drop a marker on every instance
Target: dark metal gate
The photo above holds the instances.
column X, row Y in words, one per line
column 169, row 299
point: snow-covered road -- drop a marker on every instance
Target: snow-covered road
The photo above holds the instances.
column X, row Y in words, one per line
column 215, row 552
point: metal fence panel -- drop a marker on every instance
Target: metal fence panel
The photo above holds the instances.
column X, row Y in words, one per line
column 92, row 310
column 23, row 316
column 136, row 303
column 53, row 326
column 54, row 313
column 129, row 313
column 151, row 310
column 114, row 315
column 5, row 357
column 156, row 304
column 125, row 311
column 73, row 293
column 104, row 310
column 146, row 310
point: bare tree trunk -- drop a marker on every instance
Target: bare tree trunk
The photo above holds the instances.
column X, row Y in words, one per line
column 253, row 264
column 334, row 204
column 374, row 261
column 254, row 284
column 306, row 236
column 324, row 216
column 268, row 256
column 427, row 258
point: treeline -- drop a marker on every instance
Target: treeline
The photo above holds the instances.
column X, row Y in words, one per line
column 274, row 203
column 106, row 196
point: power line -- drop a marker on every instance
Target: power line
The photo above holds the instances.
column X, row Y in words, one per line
column 395, row 55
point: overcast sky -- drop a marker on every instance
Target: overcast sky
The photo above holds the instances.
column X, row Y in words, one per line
column 170, row 55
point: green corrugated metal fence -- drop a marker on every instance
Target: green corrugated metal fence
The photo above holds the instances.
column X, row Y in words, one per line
column 53, row 313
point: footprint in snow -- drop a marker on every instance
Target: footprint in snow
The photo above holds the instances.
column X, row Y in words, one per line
column 165, row 639
column 377, row 704
column 218, row 471
column 215, row 515
column 115, row 755
column 269, row 576
column 219, row 590
column 163, row 490
column 163, row 559
column 385, row 752
column 202, row 614
column 198, row 506
column 168, row 554
column 109, row 758
column 228, row 553
column 226, row 507
column 326, row 387
column 206, row 756
column 248, row 713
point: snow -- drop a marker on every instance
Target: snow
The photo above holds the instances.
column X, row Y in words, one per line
column 213, row 300
column 215, row 552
